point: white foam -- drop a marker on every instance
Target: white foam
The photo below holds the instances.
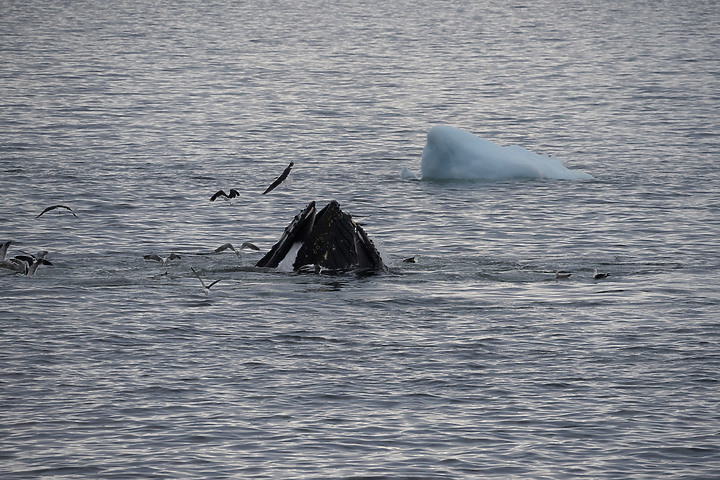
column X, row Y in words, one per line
column 454, row 154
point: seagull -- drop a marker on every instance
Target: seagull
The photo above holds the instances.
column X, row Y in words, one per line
column 15, row 264
column 279, row 179
column 25, row 263
column 32, row 267
column 30, row 262
column 562, row 275
column 599, row 276
column 164, row 261
column 53, row 207
column 206, row 288
column 3, row 249
column 227, row 196
column 229, row 246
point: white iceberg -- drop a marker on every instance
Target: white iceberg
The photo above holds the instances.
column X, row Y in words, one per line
column 454, row 154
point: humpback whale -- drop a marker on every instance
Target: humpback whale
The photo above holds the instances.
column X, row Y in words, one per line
column 325, row 241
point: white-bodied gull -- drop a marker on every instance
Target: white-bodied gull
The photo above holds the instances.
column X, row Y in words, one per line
column 206, row 287
column 3, row 249
column 14, row 264
column 28, row 263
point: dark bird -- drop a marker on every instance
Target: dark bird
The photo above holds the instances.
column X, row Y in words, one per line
column 279, row 179
column 599, row 276
column 562, row 275
column 157, row 258
column 32, row 262
column 226, row 196
column 206, row 288
column 25, row 263
column 54, row 207
column 412, row 259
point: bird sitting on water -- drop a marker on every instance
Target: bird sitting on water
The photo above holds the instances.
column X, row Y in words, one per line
column 562, row 275
column 599, row 276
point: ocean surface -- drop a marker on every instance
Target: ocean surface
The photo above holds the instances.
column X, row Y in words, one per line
column 474, row 362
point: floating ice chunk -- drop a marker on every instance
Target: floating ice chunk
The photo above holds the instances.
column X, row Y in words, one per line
column 454, row 154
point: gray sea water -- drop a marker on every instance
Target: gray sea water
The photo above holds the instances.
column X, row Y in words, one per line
column 473, row 362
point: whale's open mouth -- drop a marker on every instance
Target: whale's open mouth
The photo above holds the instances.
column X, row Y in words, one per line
column 326, row 241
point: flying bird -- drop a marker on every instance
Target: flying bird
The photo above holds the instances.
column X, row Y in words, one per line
column 25, row 263
column 599, row 276
column 229, row 246
column 30, row 263
column 53, row 207
column 14, row 264
column 3, row 249
column 279, row 179
column 206, row 288
column 226, row 196
column 157, row 258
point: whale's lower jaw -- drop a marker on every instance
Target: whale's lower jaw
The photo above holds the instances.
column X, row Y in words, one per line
column 330, row 241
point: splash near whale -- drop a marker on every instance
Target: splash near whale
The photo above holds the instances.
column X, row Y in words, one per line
column 454, row 154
